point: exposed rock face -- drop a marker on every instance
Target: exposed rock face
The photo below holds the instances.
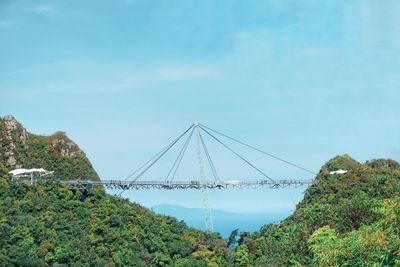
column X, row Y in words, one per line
column 21, row 149
column 65, row 146
column 10, row 126
column 10, row 122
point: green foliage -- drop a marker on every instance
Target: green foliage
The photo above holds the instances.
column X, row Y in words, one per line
column 242, row 256
column 350, row 219
column 48, row 225
column 344, row 162
column 344, row 220
column 371, row 245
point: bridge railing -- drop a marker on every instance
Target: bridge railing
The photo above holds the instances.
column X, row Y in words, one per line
column 137, row 185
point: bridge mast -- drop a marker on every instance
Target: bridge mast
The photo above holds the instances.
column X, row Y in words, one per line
column 204, row 190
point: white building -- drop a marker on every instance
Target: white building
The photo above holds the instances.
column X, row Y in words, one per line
column 338, row 172
column 30, row 175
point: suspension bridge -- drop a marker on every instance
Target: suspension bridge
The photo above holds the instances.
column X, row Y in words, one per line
column 132, row 182
column 203, row 183
column 241, row 184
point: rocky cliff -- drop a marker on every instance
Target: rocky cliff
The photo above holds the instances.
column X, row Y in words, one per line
column 58, row 153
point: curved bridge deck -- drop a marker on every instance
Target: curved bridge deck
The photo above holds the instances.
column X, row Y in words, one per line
column 137, row 185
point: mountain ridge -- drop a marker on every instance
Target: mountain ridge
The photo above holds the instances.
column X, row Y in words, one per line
column 175, row 206
column 48, row 224
column 57, row 152
column 345, row 219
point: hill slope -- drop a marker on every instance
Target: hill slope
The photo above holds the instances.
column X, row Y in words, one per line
column 48, row 225
column 58, row 153
column 352, row 219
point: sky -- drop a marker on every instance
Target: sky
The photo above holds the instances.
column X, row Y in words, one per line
column 303, row 80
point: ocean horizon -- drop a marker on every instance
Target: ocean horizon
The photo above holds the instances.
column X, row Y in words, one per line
column 224, row 222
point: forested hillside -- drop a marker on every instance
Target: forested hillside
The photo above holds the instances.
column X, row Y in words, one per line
column 350, row 219
column 58, row 153
column 48, row 225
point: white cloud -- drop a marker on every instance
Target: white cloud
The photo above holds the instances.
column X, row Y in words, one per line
column 118, row 78
column 176, row 73
column 43, row 9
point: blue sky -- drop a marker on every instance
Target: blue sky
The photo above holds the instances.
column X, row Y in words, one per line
column 305, row 80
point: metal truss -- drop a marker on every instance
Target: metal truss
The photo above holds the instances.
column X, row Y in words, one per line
column 171, row 185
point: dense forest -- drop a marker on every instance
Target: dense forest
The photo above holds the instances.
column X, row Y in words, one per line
column 350, row 219
column 48, row 225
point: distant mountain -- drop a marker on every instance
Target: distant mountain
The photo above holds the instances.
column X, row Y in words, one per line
column 224, row 222
column 178, row 210
column 58, row 153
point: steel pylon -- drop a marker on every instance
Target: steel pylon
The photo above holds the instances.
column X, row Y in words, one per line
column 204, row 190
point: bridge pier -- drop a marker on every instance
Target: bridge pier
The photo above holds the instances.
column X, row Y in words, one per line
column 83, row 187
column 84, row 194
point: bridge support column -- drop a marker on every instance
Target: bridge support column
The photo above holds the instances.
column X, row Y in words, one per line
column 203, row 185
column 84, row 193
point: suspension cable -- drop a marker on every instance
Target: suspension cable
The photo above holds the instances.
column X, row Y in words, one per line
column 180, row 160
column 254, row 167
column 180, row 154
column 155, row 158
column 165, row 148
column 210, row 162
column 259, row 150
column 162, row 154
